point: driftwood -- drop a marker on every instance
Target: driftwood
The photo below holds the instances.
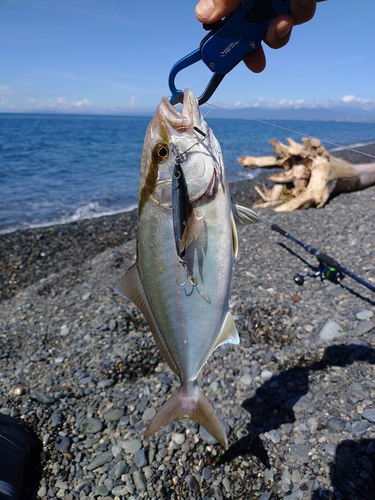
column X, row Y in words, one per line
column 311, row 175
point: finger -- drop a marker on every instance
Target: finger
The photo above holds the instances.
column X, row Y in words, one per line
column 210, row 11
column 256, row 61
column 279, row 31
column 302, row 10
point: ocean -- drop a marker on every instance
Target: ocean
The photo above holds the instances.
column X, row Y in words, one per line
column 56, row 169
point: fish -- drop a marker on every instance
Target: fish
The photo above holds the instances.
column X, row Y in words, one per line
column 186, row 245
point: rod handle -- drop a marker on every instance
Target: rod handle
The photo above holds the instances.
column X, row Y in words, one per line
column 326, row 259
column 275, row 227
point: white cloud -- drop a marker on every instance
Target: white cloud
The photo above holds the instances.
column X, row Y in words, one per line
column 11, row 100
column 349, row 98
column 85, row 103
column 133, row 102
column 347, row 101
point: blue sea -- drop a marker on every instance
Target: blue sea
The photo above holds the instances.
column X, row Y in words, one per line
column 61, row 168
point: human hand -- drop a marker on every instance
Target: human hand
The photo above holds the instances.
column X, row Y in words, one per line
column 278, row 33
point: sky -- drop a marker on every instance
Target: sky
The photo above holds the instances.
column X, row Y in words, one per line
column 114, row 57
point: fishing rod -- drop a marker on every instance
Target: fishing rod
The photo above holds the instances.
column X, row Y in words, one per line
column 328, row 268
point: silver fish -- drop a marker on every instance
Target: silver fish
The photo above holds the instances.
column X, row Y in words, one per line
column 182, row 275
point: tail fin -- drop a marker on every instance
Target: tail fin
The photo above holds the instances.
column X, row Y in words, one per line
column 189, row 401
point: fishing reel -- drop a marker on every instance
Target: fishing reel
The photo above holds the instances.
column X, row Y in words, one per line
column 325, row 272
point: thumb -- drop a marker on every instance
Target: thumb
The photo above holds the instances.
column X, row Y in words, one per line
column 210, row 11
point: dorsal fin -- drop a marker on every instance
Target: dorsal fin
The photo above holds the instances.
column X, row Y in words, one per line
column 130, row 286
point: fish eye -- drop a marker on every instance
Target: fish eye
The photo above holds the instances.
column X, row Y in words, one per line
column 160, row 152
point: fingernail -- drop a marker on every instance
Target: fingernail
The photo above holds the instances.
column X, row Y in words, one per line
column 304, row 3
column 205, row 9
column 283, row 29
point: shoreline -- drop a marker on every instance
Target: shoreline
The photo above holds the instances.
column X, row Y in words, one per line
column 29, row 255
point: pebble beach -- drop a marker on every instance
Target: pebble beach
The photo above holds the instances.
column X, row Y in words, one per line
column 79, row 366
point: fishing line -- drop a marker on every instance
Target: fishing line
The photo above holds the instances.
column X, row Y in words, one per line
column 246, row 117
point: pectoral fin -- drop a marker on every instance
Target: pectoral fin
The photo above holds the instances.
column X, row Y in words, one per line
column 130, row 286
column 245, row 215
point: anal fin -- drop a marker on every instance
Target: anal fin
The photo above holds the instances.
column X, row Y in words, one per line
column 228, row 333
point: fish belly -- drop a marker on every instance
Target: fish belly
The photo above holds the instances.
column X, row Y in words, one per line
column 190, row 299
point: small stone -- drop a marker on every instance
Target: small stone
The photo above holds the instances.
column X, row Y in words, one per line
column 81, row 486
column 365, row 314
column 62, row 443
column 102, row 490
column 226, row 484
column 100, row 460
column 312, row 424
column 192, row 483
column 18, row 390
column 116, row 449
column 119, row 490
column 295, row 495
column 42, row 492
column 359, row 427
column 141, row 406
column 179, row 439
column 215, row 492
column 91, row 426
column 364, row 327
column 246, row 379
column 44, row 398
column 124, row 421
column 56, row 418
column 139, row 480
column 336, row 424
column 86, row 296
column 120, row 469
column 151, row 453
column 140, row 458
column 132, row 446
column 359, row 342
column 300, row 452
column 105, row 382
column 369, row 414
column 296, row 476
column 268, row 474
column 265, row 496
column 266, row 375
column 330, row 448
column 273, row 436
column 214, row 386
column 148, row 414
column 112, row 324
column 206, row 473
column 64, row 330
column 330, row 331
column 114, row 415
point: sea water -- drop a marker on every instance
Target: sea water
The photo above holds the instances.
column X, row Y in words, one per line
column 61, row 168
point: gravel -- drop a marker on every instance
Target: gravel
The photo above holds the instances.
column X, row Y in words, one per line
column 79, row 366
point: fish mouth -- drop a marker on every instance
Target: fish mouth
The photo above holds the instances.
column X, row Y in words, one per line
column 189, row 117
